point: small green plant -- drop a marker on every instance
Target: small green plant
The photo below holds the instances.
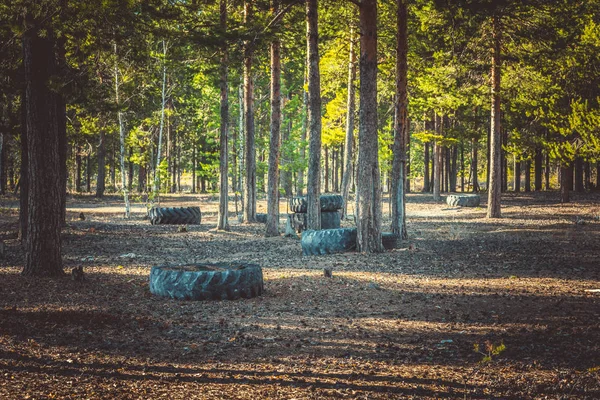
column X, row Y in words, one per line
column 489, row 351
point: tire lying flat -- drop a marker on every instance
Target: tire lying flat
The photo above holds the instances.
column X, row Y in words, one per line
column 175, row 215
column 463, row 200
column 328, row 241
column 208, row 281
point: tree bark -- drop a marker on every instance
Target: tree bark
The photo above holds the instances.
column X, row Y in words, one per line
column 101, row 179
column 528, row 176
column 474, row 162
column 565, row 182
column 44, row 180
column 579, row 188
column 368, row 221
column 313, row 186
column 495, row 172
column 156, row 184
column 272, row 226
column 426, row 184
column 350, row 109
column 24, row 173
column 250, row 182
column 222, row 218
column 437, row 160
column 326, row 178
column 77, row 170
column 538, row 169
column 462, row 166
column 517, row 176
column 300, row 184
column 121, row 137
column 398, row 192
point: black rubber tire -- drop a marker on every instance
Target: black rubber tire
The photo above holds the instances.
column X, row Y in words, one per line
column 220, row 281
column 328, row 202
column 298, row 204
column 330, row 220
column 175, row 215
column 389, row 240
column 328, row 241
column 331, row 202
column 463, row 200
column 262, row 218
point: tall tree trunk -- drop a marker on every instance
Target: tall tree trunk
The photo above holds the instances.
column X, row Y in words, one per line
column 538, row 169
column 565, row 182
column 250, row 182
column 426, row 184
column 286, row 173
column 474, row 162
column 527, row 175
column 587, row 170
column 579, row 188
column 24, row 173
column 326, row 179
column 77, row 170
column 547, row 172
column 462, row 166
column 156, row 184
column 222, row 218
column 272, row 227
column 350, row 107
column 453, row 168
column 495, row 181
column 143, row 172
column 407, row 156
column 504, row 162
column 303, row 134
column 437, row 160
column 368, row 221
column 121, row 137
column 44, row 181
column 398, row 195
column 101, row 179
column 517, row 176
column 130, row 167
column 88, row 173
column 313, row 186
column 597, row 175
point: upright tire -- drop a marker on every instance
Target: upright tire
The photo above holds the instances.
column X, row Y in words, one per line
column 328, row 241
column 389, row 240
column 220, row 281
column 331, row 202
column 329, row 220
column 261, row 217
column 175, row 215
column 463, row 200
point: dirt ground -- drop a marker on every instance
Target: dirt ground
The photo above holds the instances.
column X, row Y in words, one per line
column 402, row 324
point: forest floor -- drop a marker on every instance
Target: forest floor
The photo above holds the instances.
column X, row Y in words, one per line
column 402, row 324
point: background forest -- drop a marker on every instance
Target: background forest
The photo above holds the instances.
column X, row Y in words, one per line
column 549, row 91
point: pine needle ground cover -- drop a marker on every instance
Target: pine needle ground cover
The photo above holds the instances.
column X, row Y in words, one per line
column 467, row 307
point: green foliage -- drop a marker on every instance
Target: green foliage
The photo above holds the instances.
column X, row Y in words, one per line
column 489, row 350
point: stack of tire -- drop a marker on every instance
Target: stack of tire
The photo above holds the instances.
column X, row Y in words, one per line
column 330, row 214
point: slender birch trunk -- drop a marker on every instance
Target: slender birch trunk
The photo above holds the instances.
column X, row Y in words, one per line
column 121, row 137
column 349, row 143
column 222, row 222
column 156, row 186
column 272, row 227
